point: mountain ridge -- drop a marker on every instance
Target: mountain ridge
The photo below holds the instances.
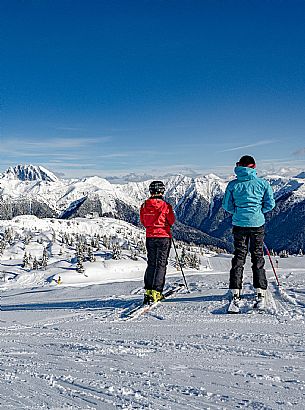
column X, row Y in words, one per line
column 29, row 172
column 196, row 201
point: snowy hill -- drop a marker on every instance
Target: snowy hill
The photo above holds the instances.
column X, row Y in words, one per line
column 28, row 235
column 197, row 202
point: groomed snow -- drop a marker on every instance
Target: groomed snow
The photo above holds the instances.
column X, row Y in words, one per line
column 68, row 346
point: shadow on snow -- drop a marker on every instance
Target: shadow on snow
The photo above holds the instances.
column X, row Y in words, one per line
column 79, row 304
column 116, row 304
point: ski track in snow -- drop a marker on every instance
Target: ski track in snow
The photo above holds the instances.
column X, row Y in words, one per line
column 63, row 348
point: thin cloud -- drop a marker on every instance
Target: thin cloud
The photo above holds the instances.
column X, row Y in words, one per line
column 69, row 128
column 21, row 155
column 114, row 155
column 299, row 153
column 50, row 147
column 64, row 165
column 66, row 142
column 132, row 154
column 257, row 144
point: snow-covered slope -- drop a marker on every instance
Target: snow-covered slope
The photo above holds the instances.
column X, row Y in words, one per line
column 68, row 345
column 283, row 186
column 301, row 175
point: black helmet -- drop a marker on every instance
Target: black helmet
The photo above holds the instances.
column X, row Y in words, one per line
column 246, row 161
column 156, row 187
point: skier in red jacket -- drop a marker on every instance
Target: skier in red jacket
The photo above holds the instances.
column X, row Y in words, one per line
column 157, row 216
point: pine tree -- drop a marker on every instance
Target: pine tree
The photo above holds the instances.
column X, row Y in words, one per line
column 79, row 266
column 194, row 261
column 79, row 249
column 91, row 256
column 8, row 235
column 106, row 242
column 183, row 258
column 97, row 242
column 25, row 262
column 284, row 254
column 133, row 255
column 35, row 264
column 2, row 246
column 44, row 260
column 116, row 252
column 141, row 246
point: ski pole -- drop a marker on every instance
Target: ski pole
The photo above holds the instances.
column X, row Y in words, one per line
column 180, row 265
column 268, row 253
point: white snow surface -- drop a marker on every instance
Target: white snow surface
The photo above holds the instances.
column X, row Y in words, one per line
column 68, row 346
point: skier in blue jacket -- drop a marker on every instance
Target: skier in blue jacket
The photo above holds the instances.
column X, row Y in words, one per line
column 248, row 198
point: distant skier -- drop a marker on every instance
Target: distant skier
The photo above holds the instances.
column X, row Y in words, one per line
column 248, row 198
column 157, row 216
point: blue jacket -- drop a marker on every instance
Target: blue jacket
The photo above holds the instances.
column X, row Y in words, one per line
column 248, row 198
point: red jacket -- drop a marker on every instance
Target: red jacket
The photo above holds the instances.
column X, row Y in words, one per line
column 157, row 216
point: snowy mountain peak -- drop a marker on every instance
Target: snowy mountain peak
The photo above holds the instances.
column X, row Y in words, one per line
column 212, row 176
column 29, row 173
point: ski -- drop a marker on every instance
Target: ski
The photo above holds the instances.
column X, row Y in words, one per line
column 270, row 310
column 234, row 306
column 142, row 309
column 243, row 306
column 249, row 306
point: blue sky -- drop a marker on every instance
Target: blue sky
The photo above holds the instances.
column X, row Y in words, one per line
column 152, row 86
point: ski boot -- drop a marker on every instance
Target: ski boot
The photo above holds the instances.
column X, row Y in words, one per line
column 260, row 303
column 234, row 306
column 148, row 299
column 156, row 296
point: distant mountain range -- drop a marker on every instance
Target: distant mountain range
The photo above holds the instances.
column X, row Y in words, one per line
column 29, row 189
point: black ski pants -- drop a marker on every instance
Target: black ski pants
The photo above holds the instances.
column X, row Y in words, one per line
column 157, row 256
column 245, row 239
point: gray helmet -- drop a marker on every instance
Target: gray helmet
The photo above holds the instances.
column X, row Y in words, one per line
column 156, row 187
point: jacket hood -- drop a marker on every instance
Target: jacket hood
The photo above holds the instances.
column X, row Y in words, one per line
column 155, row 202
column 245, row 173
